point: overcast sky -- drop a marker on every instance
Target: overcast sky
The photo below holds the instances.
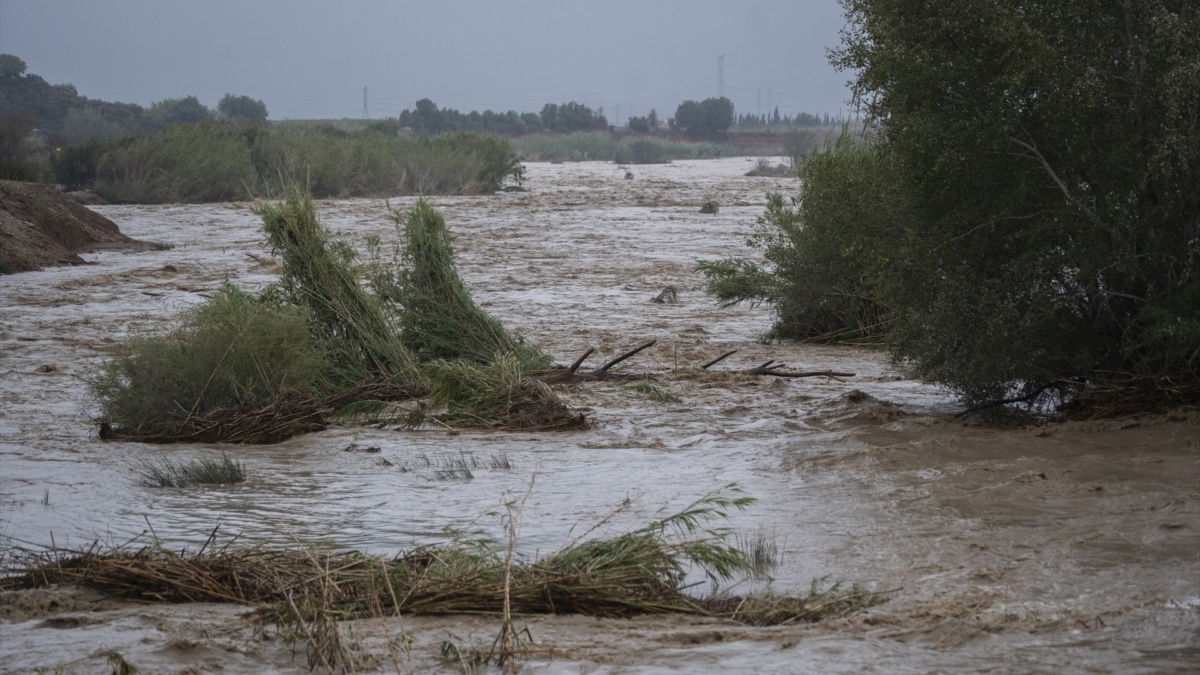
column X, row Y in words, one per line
column 312, row 59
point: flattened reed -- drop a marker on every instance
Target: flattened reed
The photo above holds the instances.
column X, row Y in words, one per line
column 639, row 572
column 288, row 415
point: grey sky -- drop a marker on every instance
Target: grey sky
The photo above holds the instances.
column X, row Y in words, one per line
column 311, row 59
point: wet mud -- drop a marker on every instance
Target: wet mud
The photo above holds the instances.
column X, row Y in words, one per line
column 1071, row 548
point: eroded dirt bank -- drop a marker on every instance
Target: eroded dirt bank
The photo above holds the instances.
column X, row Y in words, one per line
column 40, row 227
column 1060, row 548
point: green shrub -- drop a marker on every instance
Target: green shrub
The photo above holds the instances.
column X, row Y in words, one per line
column 233, row 350
column 1050, row 152
column 75, row 166
column 827, row 250
column 642, row 151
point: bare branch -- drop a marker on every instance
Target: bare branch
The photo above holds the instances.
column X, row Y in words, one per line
column 635, row 350
column 718, row 359
column 1062, row 186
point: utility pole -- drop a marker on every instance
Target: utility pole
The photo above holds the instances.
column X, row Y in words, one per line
column 721, row 76
column 364, row 103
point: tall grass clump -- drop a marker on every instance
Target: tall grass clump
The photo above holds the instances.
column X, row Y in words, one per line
column 607, row 146
column 322, row 345
column 825, row 250
column 319, row 274
column 328, row 162
column 199, row 471
column 234, row 350
column 437, row 316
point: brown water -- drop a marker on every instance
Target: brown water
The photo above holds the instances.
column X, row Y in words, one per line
column 1069, row 548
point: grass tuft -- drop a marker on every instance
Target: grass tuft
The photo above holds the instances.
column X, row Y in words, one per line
column 198, row 471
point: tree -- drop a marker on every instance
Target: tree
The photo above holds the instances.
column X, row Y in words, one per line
column 243, row 109
column 81, row 125
column 710, row 116
column 570, row 117
column 1049, row 149
column 12, row 69
column 690, row 117
column 170, row 111
column 533, row 122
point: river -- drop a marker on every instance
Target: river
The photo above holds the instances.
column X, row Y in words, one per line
column 1064, row 547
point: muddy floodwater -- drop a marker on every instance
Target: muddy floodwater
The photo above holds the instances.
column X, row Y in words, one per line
column 1057, row 548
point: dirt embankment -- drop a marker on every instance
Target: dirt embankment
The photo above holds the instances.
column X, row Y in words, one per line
column 41, row 227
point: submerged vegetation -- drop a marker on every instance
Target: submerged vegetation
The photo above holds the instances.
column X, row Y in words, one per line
column 332, row 339
column 198, row 471
column 306, row 593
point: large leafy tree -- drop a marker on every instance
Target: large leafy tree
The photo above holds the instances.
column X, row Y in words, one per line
column 187, row 110
column 712, row 115
column 1052, row 152
column 243, row 109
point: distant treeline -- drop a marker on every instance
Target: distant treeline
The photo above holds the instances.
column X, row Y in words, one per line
column 64, row 117
column 179, row 150
column 712, row 115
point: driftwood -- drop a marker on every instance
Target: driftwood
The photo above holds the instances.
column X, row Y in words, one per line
column 572, row 374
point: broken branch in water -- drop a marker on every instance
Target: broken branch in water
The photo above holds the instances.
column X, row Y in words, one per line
column 772, row 368
column 572, row 374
